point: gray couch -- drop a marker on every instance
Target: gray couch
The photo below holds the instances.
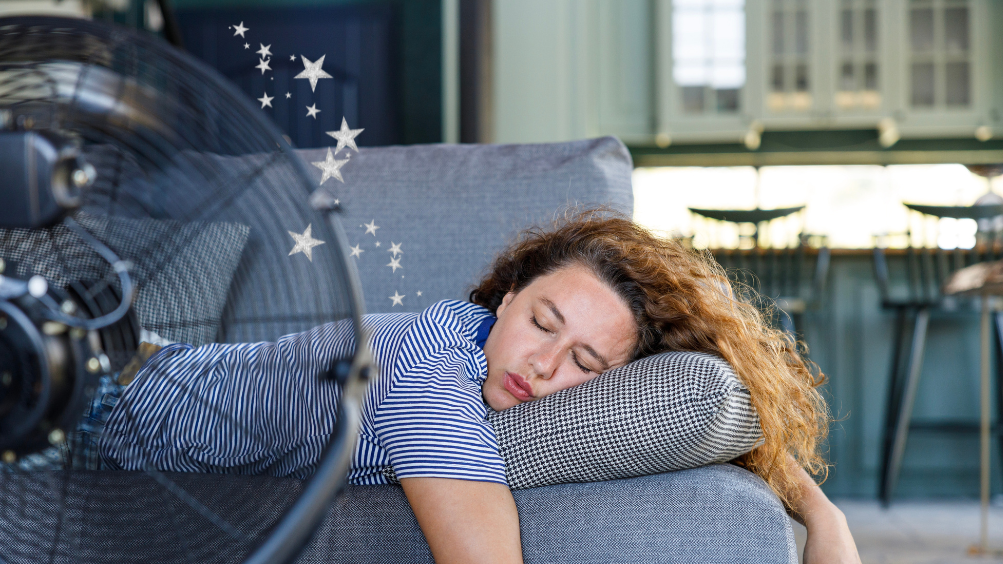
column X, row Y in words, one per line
column 451, row 208
column 439, row 213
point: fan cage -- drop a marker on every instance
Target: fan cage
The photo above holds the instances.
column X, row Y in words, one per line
column 187, row 169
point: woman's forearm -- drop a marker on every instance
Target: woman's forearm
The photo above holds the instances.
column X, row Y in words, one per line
column 466, row 521
column 829, row 539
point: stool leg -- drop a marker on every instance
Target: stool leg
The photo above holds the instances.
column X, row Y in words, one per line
column 908, row 398
column 892, row 402
column 998, row 327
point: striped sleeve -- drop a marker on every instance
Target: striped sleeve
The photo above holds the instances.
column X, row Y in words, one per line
column 432, row 420
column 258, row 408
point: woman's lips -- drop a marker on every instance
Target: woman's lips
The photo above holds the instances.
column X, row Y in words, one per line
column 518, row 387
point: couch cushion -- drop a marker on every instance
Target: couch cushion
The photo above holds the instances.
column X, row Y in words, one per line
column 667, row 412
column 450, row 208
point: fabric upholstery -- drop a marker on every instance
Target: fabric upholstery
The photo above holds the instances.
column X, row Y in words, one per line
column 666, row 412
column 451, row 208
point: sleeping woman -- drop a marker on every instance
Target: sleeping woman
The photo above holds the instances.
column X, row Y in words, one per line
column 558, row 308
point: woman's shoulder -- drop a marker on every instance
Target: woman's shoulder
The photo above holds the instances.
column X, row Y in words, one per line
column 451, row 320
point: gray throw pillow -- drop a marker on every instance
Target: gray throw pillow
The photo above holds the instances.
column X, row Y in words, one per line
column 181, row 271
column 666, row 412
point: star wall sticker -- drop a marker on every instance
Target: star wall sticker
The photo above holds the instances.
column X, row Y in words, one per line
column 419, row 293
column 330, row 166
column 266, row 100
column 397, row 299
column 265, row 51
column 247, row 45
column 289, row 95
column 304, row 243
column 292, row 57
column 312, row 111
column 345, row 136
column 395, row 248
column 377, row 243
column 356, row 251
column 371, row 227
column 239, row 29
column 313, row 71
column 395, row 263
column 263, row 65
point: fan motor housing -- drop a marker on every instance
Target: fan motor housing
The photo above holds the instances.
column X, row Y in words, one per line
column 42, row 179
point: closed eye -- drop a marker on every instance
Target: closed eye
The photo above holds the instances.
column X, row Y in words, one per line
column 538, row 326
column 579, row 364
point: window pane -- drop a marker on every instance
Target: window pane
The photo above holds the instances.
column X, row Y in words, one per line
column 778, row 33
column 846, row 82
column 777, row 78
column 846, row 29
column 871, row 29
column 956, row 29
column 922, row 84
column 801, row 31
column 693, row 99
column 727, row 99
column 957, row 84
column 921, row 29
column 801, row 78
column 871, row 76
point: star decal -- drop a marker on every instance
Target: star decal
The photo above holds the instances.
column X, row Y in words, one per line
column 247, row 45
column 371, row 227
column 266, row 100
column 397, row 299
column 304, row 243
column 263, row 65
column 312, row 111
column 264, row 51
column 313, row 71
column 330, row 166
column 395, row 248
column 356, row 251
column 395, row 263
column 289, row 95
column 239, row 29
column 345, row 136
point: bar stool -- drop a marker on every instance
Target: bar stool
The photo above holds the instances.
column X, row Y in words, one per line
column 926, row 270
column 777, row 272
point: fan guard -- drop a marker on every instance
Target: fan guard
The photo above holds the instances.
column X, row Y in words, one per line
column 185, row 167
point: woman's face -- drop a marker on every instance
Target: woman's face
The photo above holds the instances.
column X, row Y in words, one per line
column 561, row 330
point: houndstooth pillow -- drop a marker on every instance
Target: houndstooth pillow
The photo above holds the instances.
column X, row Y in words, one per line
column 666, row 412
column 181, row 271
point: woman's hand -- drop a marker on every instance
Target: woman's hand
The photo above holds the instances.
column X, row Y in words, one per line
column 829, row 540
column 466, row 521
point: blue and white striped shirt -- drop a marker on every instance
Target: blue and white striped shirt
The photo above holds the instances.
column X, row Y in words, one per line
column 260, row 408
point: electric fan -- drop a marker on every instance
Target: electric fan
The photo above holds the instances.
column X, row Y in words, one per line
column 142, row 197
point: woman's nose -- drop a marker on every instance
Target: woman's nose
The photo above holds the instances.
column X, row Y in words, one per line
column 546, row 361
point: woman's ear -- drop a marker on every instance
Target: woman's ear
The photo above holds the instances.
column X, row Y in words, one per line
column 507, row 299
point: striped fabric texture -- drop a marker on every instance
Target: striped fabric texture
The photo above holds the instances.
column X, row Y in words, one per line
column 262, row 408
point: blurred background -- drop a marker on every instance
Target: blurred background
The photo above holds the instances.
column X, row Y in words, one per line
column 784, row 136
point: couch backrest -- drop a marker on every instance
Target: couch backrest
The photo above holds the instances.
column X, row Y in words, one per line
column 451, row 208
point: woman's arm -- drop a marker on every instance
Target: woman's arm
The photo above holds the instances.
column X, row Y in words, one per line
column 829, row 539
column 465, row 520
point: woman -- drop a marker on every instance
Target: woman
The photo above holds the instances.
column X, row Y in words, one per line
column 558, row 308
